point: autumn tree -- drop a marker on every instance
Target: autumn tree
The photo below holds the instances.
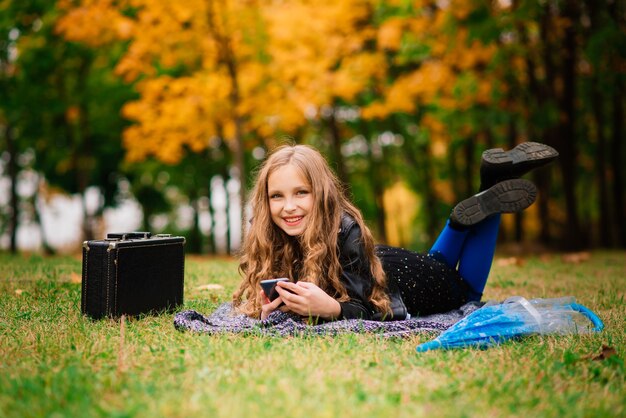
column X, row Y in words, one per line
column 471, row 75
column 18, row 19
column 197, row 66
column 363, row 79
column 327, row 61
column 56, row 105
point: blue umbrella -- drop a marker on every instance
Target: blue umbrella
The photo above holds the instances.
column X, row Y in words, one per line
column 515, row 317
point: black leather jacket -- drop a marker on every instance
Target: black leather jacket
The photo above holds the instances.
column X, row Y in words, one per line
column 358, row 280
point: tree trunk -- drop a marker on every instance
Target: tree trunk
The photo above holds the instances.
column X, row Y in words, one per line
column 431, row 200
column 376, row 175
column 228, row 59
column 83, row 152
column 47, row 249
column 455, row 178
column 211, row 238
column 424, row 183
column 335, row 145
column 13, row 198
column 227, row 236
column 489, row 142
column 145, row 219
column 561, row 136
column 235, row 100
column 375, row 166
column 603, row 202
column 617, row 163
column 542, row 181
column 598, row 102
column 469, row 148
column 518, row 234
column 617, row 150
column 574, row 238
column 194, row 242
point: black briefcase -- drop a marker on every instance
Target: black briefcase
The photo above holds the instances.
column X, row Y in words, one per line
column 131, row 274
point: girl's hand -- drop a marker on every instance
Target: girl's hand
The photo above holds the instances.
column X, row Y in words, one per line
column 307, row 299
column 269, row 307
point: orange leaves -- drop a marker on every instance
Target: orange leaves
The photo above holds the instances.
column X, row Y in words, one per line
column 271, row 66
column 174, row 113
column 214, row 44
column 356, row 73
column 390, row 34
column 170, row 33
column 94, row 22
column 424, row 85
column 320, row 50
column 461, row 9
column 464, row 54
column 401, row 207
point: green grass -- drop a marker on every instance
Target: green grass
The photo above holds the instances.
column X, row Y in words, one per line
column 54, row 362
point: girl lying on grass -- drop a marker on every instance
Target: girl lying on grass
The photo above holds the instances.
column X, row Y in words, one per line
column 305, row 228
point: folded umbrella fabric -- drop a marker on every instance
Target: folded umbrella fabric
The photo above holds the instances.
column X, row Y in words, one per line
column 516, row 317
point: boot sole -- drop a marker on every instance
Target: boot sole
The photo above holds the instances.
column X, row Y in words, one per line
column 506, row 197
column 532, row 152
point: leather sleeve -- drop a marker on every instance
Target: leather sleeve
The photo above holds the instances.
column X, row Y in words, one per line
column 356, row 275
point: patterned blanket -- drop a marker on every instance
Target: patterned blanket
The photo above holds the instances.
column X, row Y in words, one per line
column 225, row 320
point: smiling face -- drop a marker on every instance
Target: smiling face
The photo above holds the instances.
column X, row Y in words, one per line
column 290, row 199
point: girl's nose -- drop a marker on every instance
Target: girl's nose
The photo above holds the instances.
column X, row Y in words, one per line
column 289, row 204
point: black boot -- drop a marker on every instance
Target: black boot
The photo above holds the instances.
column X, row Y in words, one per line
column 498, row 165
column 505, row 197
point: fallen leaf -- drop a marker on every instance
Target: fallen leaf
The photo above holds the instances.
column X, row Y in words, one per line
column 76, row 278
column 510, row 261
column 545, row 258
column 210, row 287
column 605, row 353
column 576, row 258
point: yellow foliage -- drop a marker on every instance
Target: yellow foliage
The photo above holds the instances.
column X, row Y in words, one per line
column 423, row 85
column 461, row 9
column 390, row 34
column 483, row 94
column 439, row 145
column 95, row 22
column 356, row 73
column 439, row 139
column 466, row 55
column 434, row 125
column 441, row 19
column 399, row 97
column 286, row 59
column 375, row 110
column 443, row 190
column 317, row 59
column 173, row 113
column 451, row 54
column 419, row 25
column 400, row 208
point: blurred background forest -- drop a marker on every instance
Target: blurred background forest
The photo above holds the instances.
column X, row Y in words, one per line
column 171, row 105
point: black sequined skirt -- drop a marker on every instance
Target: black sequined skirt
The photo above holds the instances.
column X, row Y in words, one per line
column 427, row 285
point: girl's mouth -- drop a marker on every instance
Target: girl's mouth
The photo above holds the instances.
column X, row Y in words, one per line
column 293, row 221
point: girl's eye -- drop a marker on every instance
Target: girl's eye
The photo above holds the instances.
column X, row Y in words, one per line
column 275, row 196
column 302, row 192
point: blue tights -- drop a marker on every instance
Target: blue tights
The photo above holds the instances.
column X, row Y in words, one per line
column 471, row 249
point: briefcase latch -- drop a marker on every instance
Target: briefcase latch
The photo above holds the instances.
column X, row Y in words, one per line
column 123, row 236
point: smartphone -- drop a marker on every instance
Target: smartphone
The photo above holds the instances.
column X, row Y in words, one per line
column 269, row 287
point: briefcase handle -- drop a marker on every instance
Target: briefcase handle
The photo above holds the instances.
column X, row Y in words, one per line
column 128, row 235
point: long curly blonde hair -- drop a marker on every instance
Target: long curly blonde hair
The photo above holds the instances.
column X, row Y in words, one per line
column 268, row 252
